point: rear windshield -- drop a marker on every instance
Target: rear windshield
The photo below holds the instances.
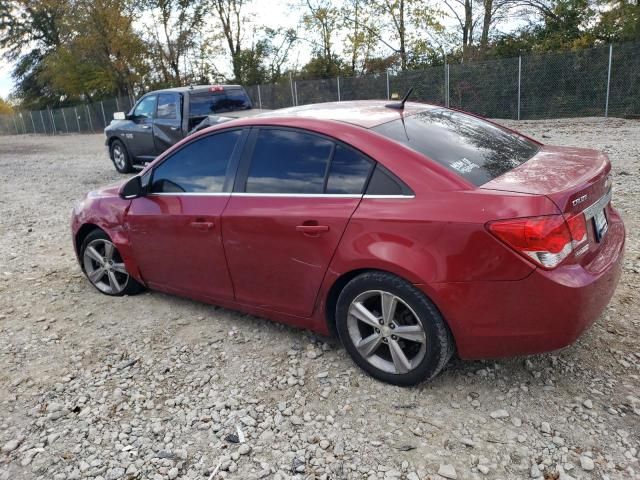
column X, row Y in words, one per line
column 210, row 103
column 473, row 148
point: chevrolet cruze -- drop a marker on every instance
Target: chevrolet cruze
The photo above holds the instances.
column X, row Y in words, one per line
column 411, row 231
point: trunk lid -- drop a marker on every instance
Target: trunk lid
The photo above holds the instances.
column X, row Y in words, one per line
column 576, row 180
column 573, row 178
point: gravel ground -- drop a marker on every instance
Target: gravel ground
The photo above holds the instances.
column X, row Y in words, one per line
column 157, row 387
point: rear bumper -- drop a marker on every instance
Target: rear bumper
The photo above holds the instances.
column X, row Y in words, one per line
column 546, row 311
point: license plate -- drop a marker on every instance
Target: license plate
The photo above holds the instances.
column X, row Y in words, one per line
column 601, row 225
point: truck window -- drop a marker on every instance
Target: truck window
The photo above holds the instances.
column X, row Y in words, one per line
column 211, row 103
column 167, row 106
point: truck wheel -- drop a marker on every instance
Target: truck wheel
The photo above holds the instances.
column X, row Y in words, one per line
column 120, row 157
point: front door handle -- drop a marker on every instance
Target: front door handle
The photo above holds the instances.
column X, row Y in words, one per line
column 202, row 225
column 146, row 127
column 312, row 229
column 174, row 129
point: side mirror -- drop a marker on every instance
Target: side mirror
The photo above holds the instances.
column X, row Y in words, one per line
column 133, row 188
column 119, row 116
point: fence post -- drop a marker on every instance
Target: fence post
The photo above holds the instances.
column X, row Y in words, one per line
column 86, row 107
column 104, row 117
column 44, row 127
column 53, row 121
column 64, row 117
column 388, row 89
column 15, row 124
column 519, row 78
column 338, row 79
column 295, row 89
column 117, row 104
column 24, row 125
column 32, row 122
column 293, row 98
column 606, row 105
column 446, row 82
column 259, row 98
column 77, row 118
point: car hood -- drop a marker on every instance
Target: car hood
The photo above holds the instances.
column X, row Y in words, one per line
column 116, row 124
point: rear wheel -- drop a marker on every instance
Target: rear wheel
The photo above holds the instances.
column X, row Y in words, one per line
column 391, row 330
column 120, row 157
column 104, row 267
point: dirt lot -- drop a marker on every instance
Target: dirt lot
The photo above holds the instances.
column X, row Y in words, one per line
column 151, row 386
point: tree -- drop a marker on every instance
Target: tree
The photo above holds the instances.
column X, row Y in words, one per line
column 564, row 24
column 28, row 33
column 361, row 39
column 323, row 17
column 229, row 14
column 5, row 107
column 175, row 32
column 101, row 54
column 619, row 21
column 412, row 27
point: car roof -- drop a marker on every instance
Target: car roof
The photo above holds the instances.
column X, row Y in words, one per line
column 195, row 88
column 364, row 113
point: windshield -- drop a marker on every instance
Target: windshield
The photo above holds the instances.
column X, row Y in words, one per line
column 476, row 150
column 210, row 103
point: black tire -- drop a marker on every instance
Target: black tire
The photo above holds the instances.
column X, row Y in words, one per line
column 126, row 285
column 120, row 157
column 432, row 352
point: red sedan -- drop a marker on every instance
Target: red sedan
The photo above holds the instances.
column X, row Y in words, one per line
column 412, row 233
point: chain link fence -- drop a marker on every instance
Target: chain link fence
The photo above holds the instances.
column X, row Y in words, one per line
column 603, row 81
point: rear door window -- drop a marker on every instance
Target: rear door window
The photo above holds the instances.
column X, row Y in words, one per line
column 286, row 161
column 476, row 150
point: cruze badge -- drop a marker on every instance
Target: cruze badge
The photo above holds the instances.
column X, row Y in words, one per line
column 579, row 200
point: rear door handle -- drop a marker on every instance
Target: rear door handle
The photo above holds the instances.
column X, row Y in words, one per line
column 312, row 229
column 202, row 225
column 174, row 128
column 145, row 126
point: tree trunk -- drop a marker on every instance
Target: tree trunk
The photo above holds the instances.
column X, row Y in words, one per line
column 486, row 25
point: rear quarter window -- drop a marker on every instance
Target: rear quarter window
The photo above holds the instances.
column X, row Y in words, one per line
column 476, row 150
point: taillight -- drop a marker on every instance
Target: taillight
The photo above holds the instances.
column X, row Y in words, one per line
column 578, row 228
column 546, row 240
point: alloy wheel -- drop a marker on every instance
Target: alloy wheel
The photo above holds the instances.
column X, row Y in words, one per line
column 104, row 267
column 119, row 157
column 386, row 332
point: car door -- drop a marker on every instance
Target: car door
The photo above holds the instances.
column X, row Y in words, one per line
column 175, row 229
column 293, row 198
column 140, row 141
column 167, row 124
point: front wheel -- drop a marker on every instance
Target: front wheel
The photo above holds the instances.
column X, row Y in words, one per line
column 392, row 330
column 104, row 267
column 120, row 157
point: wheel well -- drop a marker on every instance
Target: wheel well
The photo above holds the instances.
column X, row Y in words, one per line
column 85, row 230
column 113, row 139
column 334, row 293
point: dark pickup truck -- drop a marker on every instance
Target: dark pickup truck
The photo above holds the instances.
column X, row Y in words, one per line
column 161, row 118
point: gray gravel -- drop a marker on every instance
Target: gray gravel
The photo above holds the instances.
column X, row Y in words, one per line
column 158, row 387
